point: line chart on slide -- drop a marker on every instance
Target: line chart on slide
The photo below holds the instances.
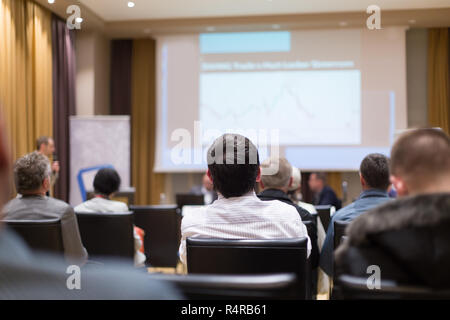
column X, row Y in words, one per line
column 320, row 107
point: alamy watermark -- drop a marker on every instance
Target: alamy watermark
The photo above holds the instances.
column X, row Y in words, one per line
column 74, row 20
column 374, row 20
column 192, row 149
column 73, row 281
column 374, row 280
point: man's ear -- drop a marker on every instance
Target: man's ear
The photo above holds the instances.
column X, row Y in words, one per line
column 399, row 185
column 209, row 175
column 290, row 182
column 258, row 177
column 46, row 184
column 361, row 179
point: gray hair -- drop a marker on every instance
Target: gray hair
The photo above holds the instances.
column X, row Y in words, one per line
column 281, row 178
column 30, row 171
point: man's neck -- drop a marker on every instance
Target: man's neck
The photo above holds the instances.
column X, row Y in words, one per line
column 442, row 186
column 285, row 190
column 37, row 193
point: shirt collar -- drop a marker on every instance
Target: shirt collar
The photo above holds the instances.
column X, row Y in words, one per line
column 372, row 193
column 250, row 194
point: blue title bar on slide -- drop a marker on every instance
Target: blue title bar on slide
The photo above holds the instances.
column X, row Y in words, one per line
column 245, row 42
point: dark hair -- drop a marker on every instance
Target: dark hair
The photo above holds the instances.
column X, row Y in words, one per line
column 40, row 141
column 421, row 155
column 375, row 171
column 321, row 176
column 106, row 181
column 233, row 171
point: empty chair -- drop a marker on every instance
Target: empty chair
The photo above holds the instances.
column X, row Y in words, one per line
column 356, row 288
column 41, row 235
column 233, row 287
column 107, row 235
column 219, row 256
column 339, row 232
column 324, row 212
column 162, row 233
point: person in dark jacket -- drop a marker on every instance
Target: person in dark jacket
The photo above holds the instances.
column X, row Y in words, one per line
column 323, row 194
column 408, row 239
column 276, row 187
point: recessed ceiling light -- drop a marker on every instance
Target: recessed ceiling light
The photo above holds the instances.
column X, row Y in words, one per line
column 343, row 23
column 131, row 4
column 147, row 31
column 276, row 26
column 210, row 29
column 79, row 20
column 412, row 21
column 51, row 1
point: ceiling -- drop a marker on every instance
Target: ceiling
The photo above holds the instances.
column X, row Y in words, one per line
column 117, row 10
column 152, row 17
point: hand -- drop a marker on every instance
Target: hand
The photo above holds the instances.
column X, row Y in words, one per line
column 55, row 166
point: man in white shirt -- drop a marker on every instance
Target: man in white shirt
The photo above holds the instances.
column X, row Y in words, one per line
column 233, row 167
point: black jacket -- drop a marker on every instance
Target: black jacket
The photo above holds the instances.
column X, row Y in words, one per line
column 409, row 239
column 328, row 197
column 275, row 194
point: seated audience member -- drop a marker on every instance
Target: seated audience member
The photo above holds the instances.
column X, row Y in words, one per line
column 374, row 178
column 206, row 189
column 295, row 191
column 323, row 194
column 31, row 276
column 408, row 239
column 233, row 166
column 32, row 180
column 106, row 183
column 275, row 187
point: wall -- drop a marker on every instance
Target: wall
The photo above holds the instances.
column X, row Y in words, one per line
column 416, row 62
column 93, row 72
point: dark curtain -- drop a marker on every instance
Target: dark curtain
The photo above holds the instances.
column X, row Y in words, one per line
column 64, row 73
column 121, row 53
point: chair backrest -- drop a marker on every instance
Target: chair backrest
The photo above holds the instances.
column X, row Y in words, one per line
column 162, row 233
column 324, row 212
column 184, row 199
column 233, row 287
column 41, row 235
column 219, row 256
column 356, row 288
column 107, row 235
column 311, row 278
column 339, row 232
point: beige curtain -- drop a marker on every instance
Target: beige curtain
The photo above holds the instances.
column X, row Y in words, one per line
column 25, row 73
column 148, row 184
column 438, row 79
column 334, row 180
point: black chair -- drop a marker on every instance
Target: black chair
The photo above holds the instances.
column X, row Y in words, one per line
column 339, row 232
column 184, row 199
column 356, row 288
column 312, row 276
column 107, row 235
column 162, row 233
column 40, row 235
column 219, row 256
column 324, row 212
column 233, row 287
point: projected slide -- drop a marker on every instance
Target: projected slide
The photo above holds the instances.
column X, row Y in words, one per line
column 320, row 107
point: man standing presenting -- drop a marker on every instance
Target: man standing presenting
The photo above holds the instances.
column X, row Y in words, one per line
column 46, row 146
column 323, row 194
